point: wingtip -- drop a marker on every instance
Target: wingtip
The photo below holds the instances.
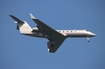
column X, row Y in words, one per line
column 32, row 16
column 10, row 15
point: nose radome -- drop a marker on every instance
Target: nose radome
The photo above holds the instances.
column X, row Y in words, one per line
column 93, row 34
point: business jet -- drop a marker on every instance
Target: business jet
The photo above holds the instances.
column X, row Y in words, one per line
column 55, row 37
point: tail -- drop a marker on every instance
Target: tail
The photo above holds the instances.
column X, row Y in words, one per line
column 22, row 25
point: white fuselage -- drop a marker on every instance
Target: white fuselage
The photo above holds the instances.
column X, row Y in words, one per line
column 66, row 33
column 76, row 33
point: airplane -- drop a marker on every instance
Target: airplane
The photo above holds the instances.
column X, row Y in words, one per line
column 55, row 37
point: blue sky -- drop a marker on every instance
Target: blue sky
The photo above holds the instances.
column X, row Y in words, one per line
column 23, row 52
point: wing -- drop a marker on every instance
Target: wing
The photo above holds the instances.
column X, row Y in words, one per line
column 55, row 38
column 54, row 45
column 45, row 29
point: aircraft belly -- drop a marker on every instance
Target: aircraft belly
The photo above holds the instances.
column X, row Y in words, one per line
column 76, row 35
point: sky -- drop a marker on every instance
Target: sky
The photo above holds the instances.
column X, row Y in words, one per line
column 23, row 52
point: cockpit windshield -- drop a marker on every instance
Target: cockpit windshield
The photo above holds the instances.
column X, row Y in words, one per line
column 87, row 30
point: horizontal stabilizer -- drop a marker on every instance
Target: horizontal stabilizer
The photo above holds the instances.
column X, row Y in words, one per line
column 16, row 19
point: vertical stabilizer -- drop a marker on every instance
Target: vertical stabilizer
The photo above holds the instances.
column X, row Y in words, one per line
column 22, row 25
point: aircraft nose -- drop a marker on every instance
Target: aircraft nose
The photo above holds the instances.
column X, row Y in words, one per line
column 93, row 34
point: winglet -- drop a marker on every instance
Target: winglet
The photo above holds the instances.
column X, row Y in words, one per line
column 32, row 16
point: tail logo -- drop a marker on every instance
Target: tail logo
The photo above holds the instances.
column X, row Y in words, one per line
column 27, row 27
